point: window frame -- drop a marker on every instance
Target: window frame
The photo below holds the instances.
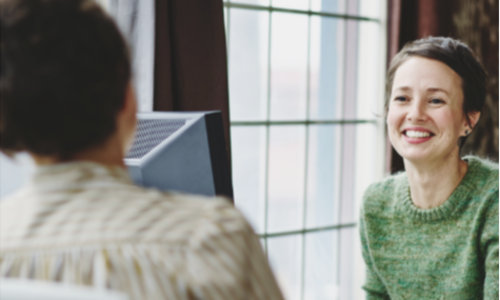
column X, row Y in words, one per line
column 380, row 146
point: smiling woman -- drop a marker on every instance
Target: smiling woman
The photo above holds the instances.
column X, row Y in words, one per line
column 432, row 232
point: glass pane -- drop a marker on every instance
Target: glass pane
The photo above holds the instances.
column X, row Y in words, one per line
column 370, row 8
column 352, row 7
column 291, row 4
column 369, row 64
column 14, row 173
column 347, row 208
column 288, row 66
column 254, row 2
column 323, row 175
column 347, row 236
column 328, row 6
column 367, row 161
column 321, row 266
column 326, row 67
column 285, row 256
column 286, row 177
column 349, row 105
column 248, row 161
column 248, row 64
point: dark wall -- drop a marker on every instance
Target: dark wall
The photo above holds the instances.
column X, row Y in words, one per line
column 475, row 22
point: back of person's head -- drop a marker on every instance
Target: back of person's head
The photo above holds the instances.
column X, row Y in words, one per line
column 65, row 68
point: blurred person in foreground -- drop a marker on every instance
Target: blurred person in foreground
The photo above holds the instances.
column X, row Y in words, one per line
column 432, row 232
column 66, row 99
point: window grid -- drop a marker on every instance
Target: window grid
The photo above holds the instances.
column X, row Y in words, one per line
column 268, row 123
column 299, row 122
column 306, row 158
column 271, row 8
column 268, row 136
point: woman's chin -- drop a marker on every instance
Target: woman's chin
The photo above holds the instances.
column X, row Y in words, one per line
column 416, row 156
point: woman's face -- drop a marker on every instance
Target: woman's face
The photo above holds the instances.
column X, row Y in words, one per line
column 425, row 117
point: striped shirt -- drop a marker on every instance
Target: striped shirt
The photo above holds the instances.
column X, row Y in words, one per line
column 87, row 224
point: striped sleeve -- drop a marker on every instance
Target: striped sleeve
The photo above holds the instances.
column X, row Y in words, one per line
column 230, row 265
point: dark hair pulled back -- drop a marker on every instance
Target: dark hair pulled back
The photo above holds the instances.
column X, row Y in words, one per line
column 64, row 72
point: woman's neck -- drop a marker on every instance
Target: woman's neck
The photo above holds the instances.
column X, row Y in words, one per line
column 431, row 184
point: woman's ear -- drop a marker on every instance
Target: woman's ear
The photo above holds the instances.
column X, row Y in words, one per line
column 473, row 119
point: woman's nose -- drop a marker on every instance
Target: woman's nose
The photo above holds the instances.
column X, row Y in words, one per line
column 417, row 112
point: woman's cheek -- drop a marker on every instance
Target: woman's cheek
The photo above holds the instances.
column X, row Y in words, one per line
column 394, row 117
column 447, row 122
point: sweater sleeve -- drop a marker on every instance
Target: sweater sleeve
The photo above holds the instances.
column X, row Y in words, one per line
column 227, row 262
column 489, row 248
column 374, row 287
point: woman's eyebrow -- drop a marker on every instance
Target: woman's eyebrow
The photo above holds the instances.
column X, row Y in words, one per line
column 438, row 90
column 403, row 88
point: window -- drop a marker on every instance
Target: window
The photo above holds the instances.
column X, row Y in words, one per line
column 306, row 82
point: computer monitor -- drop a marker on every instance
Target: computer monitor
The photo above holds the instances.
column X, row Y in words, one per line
column 172, row 151
column 181, row 151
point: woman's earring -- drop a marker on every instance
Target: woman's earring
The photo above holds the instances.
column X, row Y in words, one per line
column 466, row 132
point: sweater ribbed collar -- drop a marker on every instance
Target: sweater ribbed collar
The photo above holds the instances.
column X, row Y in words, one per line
column 449, row 207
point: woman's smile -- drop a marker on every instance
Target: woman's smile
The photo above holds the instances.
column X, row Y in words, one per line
column 417, row 135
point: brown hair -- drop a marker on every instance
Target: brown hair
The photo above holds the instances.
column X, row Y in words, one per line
column 456, row 55
column 65, row 68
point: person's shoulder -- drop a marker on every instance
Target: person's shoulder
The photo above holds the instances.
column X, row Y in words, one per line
column 14, row 197
column 208, row 221
column 15, row 210
column 220, row 218
column 381, row 195
column 12, row 205
column 199, row 206
column 208, row 209
column 484, row 175
column 482, row 184
column 384, row 190
column 194, row 215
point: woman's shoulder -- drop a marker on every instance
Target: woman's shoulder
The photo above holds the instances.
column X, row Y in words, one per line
column 383, row 194
column 480, row 186
column 484, row 199
column 387, row 185
column 483, row 173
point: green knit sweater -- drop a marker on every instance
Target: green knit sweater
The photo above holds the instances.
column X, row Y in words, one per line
column 447, row 252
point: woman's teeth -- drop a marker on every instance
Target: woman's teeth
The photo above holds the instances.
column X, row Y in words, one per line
column 417, row 134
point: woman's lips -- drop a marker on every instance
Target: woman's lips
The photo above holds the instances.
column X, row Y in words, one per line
column 416, row 140
column 417, row 135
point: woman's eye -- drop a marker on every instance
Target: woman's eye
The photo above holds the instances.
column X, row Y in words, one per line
column 437, row 101
column 400, row 98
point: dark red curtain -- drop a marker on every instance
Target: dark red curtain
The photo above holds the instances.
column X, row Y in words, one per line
column 190, row 58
